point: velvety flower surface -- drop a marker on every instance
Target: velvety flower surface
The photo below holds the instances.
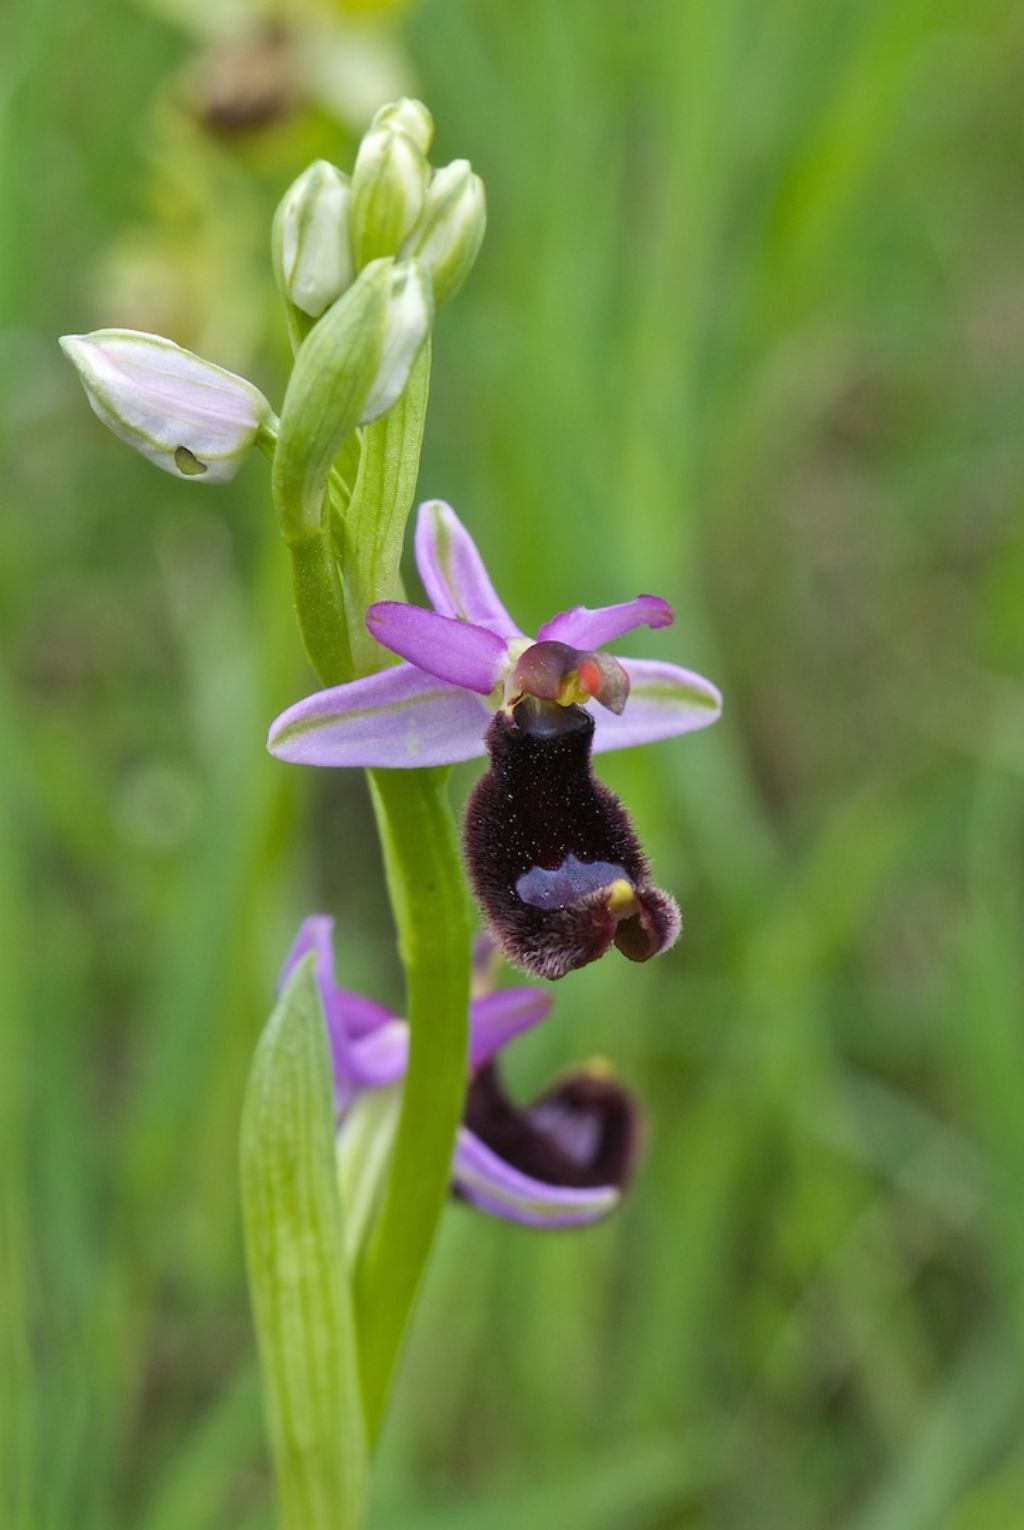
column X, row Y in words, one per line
column 562, row 1161
column 551, row 853
column 466, row 659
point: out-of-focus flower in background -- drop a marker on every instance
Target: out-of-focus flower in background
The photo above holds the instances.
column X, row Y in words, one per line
column 260, row 92
column 562, row 1161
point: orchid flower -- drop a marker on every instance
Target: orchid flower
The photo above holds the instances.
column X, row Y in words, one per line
column 562, row 1161
column 467, row 658
column 552, row 856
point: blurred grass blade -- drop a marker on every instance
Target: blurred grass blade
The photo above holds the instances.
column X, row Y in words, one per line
column 642, row 1484
column 18, row 1416
column 297, row 1271
column 194, row 1489
column 974, row 1417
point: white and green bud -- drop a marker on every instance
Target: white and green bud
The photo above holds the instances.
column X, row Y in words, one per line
column 389, row 187
column 189, row 417
column 350, row 369
column 406, row 320
column 449, row 234
column 411, row 117
column 312, row 243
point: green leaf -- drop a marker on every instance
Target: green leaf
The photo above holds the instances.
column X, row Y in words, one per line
column 297, row 1269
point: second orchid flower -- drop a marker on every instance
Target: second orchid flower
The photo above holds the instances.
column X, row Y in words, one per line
column 562, row 1161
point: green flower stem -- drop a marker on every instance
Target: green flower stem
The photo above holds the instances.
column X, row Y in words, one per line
column 266, row 436
column 432, row 915
column 373, row 525
column 316, row 582
column 421, row 855
column 301, row 1296
column 320, row 607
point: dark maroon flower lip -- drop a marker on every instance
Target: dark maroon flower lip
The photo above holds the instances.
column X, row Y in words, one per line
column 584, row 1132
column 551, row 852
column 582, row 1128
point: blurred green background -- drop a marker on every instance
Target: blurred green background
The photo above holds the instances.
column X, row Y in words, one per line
column 748, row 330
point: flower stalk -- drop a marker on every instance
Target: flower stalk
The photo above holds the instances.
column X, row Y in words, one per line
column 432, row 916
column 414, row 818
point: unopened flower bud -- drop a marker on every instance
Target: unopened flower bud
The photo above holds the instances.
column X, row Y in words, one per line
column 312, row 248
column 389, row 187
column 191, row 418
column 407, row 318
column 411, row 117
column 449, row 234
column 350, row 369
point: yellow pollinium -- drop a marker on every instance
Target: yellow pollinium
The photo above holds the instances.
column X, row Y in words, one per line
column 621, row 898
column 572, row 692
column 599, row 1068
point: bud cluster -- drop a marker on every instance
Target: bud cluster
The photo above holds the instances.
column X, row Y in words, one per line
column 329, row 227
column 364, row 261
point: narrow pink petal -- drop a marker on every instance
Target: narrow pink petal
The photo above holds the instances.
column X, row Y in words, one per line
column 495, row 1019
column 585, row 628
column 494, row 1186
column 663, row 700
column 460, row 652
column 453, row 572
column 363, row 1015
column 369, row 1047
column 379, row 1058
column 315, row 934
column 399, row 717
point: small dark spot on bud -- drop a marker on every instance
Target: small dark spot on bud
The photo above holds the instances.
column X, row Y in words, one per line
column 552, row 855
column 188, row 463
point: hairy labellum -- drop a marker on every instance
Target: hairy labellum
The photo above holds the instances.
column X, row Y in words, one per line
column 583, row 1132
column 552, row 855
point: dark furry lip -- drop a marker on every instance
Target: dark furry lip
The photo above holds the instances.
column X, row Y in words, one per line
column 585, row 1131
column 552, row 854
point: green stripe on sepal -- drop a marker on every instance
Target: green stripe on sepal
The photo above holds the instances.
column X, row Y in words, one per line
column 295, row 1242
